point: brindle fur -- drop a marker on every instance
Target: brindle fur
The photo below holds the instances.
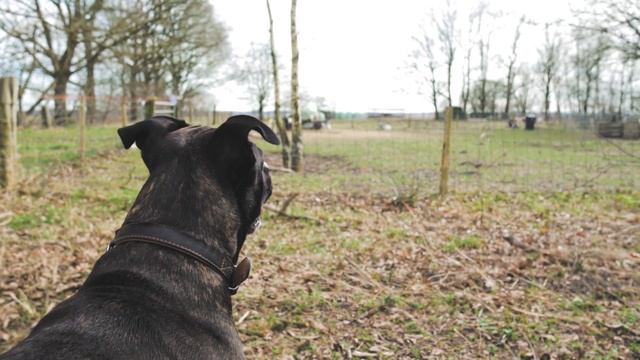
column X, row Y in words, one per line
column 146, row 302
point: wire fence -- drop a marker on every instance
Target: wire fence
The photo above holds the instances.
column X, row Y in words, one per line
column 390, row 155
column 404, row 155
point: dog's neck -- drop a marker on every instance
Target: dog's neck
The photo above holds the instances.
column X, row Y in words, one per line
column 196, row 207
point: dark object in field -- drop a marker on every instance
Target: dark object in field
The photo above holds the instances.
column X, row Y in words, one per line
column 618, row 129
column 512, row 123
column 611, row 129
column 163, row 289
column 631, row 130
column 529, row 122
column 460, row 114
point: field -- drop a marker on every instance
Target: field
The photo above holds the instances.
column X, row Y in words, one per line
column 535, row 254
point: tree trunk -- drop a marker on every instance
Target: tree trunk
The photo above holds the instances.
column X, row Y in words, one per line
column 558, row 97
column 483, row 77
column 282, row 131
column 587, row 95
column 60, row 100
column 483, row 96
column 90, row 84
column 434, row 90
column 630, row 80
column 449, row 65
column 466, row 89
column 133, row 94
column 261, row 110
column 547, row 93
column 90, row 92
column 297, row 162
column 509, row 90
column 434, row 98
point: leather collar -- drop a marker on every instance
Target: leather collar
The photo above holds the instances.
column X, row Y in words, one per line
column 187, row 245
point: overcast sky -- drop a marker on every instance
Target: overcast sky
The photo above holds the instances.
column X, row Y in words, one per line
column 354, row 52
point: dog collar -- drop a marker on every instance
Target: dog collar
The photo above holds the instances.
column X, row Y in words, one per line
column 187, row 245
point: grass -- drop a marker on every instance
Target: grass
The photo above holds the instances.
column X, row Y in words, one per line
column 428, row 278
column 485, row 156
column 40, row 148
column 464, row 243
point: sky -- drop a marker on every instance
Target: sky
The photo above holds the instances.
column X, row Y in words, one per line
column 355, row 53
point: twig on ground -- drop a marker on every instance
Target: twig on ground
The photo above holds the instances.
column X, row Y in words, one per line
column 280, row 169
column 618, row 327
column 296, row 217
column 5, row 217
column 243, row 318
column 287, row 202
column 282, row 211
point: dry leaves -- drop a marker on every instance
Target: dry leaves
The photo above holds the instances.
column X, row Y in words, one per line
column 525, row 276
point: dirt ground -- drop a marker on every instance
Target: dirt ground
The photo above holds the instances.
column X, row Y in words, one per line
column 497, row 275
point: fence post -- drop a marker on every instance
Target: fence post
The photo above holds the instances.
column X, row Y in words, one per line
column 82, row 122
column 8, row 131
column 123, row 113
column 47, row 121
column 446, row 148
column 149, row 108
column 213, row 115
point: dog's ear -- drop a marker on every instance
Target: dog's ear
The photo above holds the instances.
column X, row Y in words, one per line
column 142, row 132
column 238, row 127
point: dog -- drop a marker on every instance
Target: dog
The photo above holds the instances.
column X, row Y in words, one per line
column 163, row 288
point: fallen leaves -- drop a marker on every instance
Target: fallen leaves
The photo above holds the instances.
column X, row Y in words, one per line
column 530, row 276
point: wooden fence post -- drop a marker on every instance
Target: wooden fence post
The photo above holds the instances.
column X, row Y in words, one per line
column 123, row 113
column 149, row 108
column 47, row 121
column 82, row 122
column 8, row 131
column 446, row 149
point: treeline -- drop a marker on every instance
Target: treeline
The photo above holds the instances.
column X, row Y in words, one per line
column 586, row 65
column 125, row 49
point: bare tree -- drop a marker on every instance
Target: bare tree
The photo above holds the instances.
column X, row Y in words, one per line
column 557, row 95
column 619, row 20
column 626, row 85
column 483, row 47
column 448, row 39
column 282, row 131
column 49, row 31
column 587, row 58
column 105, row 25
column 548, row 66
column 297, row 162
column 466, row 77
column 195, row 44
column 424, row 64
column 630, row 84
column 522, row 91
column 423, row 60
column 16, row 62
column 495, row 89
column 511, row 67
column 176, row 51
column 255, row 72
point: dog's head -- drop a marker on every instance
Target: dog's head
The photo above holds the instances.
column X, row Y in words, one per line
column 201, row 180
